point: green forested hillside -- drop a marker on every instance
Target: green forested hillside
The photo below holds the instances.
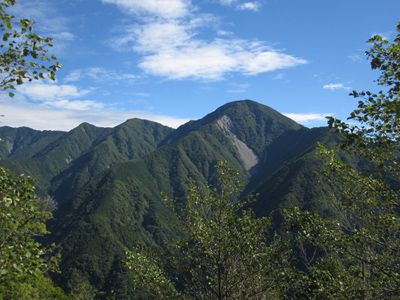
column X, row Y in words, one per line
column 292, row 172
column 65, row 161
column 55, row 155
column 109, row 194
column 130, row 140
column 108, row 181
column 23, row 143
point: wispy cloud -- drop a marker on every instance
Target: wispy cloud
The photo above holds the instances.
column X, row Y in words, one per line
column 252, row 6
column 172, row 50
column 66, row 118
column 50, row 91
column 307, row 118
column 75, row 104
column 171, row 47
column 64, row 96
column 52, row 106
column 99, row 75
column 227, row 2
column 242, row 5
column 63, row 36
column 213, row 60
column 335, row 86
column 168, row 9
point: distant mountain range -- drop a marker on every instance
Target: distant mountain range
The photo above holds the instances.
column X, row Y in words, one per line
column 108, row 181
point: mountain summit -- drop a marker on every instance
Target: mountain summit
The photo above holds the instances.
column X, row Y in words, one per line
column 108, row 181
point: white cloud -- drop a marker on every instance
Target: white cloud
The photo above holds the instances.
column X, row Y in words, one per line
column 76, row 104
column 49, row 92
column 259, row 60
column 211, row 61
column 307, row 117
column 160, row 36
column 240, row 5
column 336, row 86
column 170, row 43
column 63, row 36
column 45, row 118
column 99, row 75
column 168, row 9
column 197, row 61
column 57, row 96
column 171, row 49
column 252, row 6
column 73, row 76
column 227, row 2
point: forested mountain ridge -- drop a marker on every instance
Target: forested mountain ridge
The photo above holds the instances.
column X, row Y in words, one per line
column 83, row 151
column 108, row 181
column 132, row 139
column 24, row 142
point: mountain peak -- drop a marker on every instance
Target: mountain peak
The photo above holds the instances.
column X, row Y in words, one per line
column 85, row 125
column 235, row 103
column 253, row 123
column 240, row 106
column 135, row 121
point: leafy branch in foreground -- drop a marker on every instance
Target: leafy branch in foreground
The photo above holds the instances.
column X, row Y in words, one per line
column 354, row 255
column 148, row 276
column 225, row 252
column 375, row 128
column 24, row 263
column 23, row 53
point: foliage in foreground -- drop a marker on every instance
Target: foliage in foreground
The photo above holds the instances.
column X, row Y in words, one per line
column 23, row 53
column 355, row 254
column 24, row 263
column 225, row 252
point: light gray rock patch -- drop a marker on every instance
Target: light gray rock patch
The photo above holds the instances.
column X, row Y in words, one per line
column 9, row 146
column 248, row 157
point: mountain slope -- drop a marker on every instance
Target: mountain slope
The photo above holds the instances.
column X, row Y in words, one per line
column 62, row 162
column 108, row 181
column 55, row 154
column 187, row 154
column 22, row 143
column 292, row 173
column 130, row 140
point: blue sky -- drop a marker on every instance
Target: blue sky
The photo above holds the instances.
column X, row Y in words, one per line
column 175, row 60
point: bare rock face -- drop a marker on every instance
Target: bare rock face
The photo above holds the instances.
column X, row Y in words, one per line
column 248, row 157
column 9, row 146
